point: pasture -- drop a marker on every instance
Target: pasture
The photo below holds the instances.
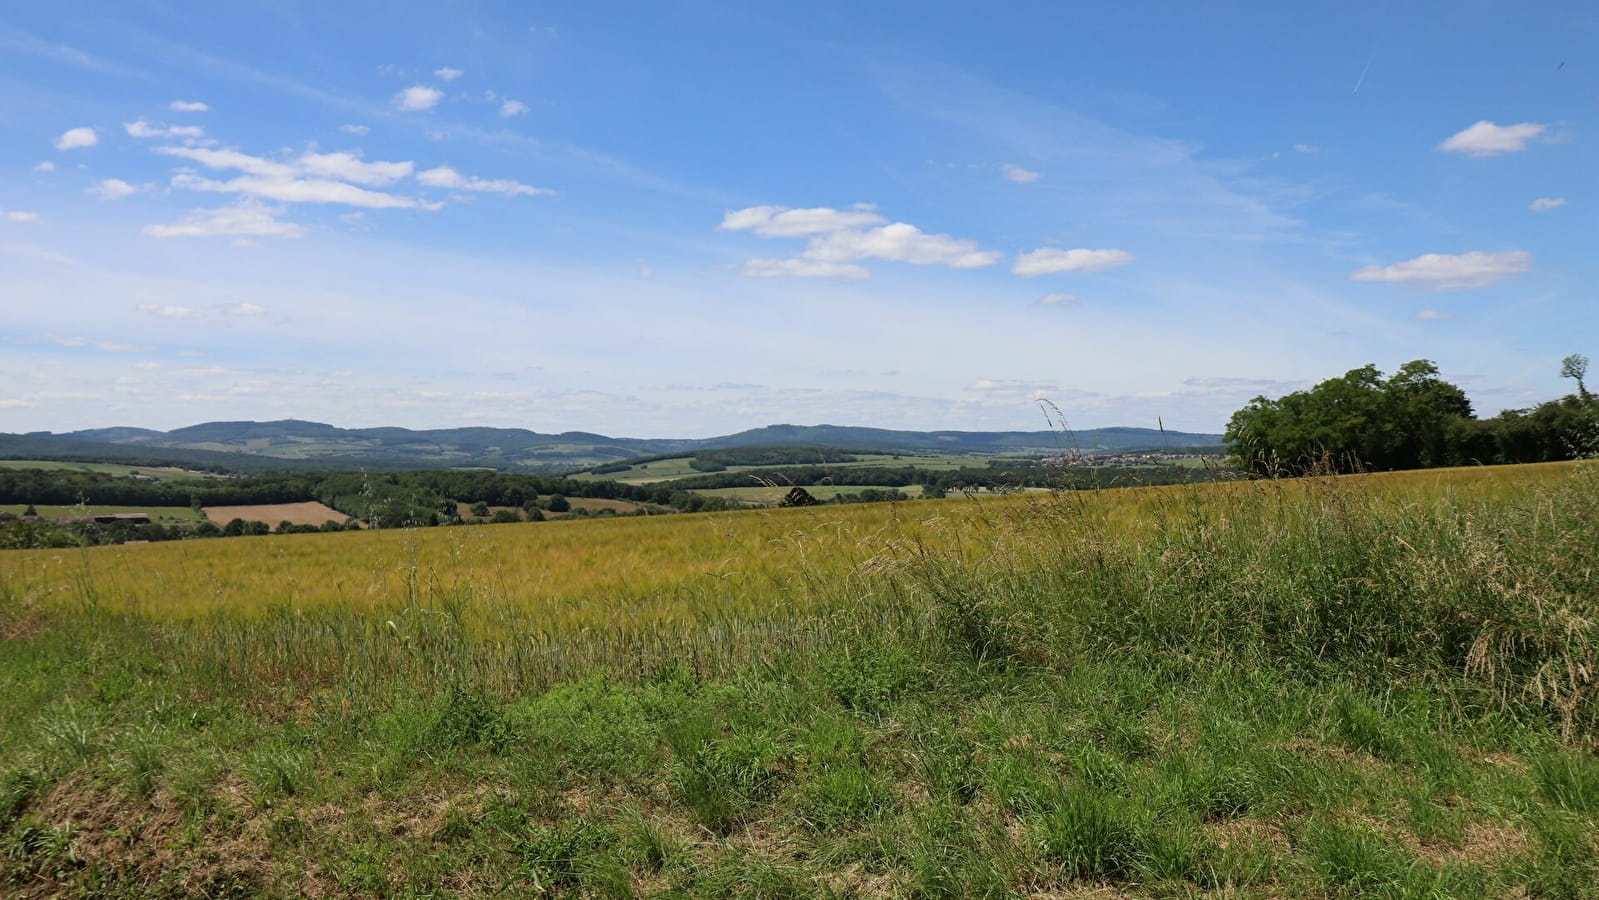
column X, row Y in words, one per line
column 1367, row 686
column 163, row 473
column 157, row 513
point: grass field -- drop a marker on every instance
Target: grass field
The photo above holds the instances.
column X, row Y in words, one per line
column 771, row 496
column 678, row 467
column 157, row 513
column 165, row 473
column 1376, row 686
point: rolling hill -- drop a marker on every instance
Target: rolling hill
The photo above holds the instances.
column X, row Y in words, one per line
column 293, row 443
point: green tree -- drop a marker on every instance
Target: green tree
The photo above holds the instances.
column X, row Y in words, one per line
column 558, row 503
column 1575, row 367
column 1357, row 420
column 480, row 508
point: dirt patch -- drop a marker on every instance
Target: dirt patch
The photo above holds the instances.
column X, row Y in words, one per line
column 1482, row 842
column 311, row 513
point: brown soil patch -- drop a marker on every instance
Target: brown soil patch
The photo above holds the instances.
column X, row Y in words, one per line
column 311, row 513
column 1482, row 842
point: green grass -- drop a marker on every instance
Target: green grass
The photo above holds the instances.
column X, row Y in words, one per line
column 771, row 495
column 1350, row 688
column 157, row 513
column 678, row 467
column 165, row 473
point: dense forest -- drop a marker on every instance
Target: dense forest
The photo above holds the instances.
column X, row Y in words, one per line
column 1412, row 419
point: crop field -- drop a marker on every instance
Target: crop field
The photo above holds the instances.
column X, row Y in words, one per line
column 1367, row 686
column 157, row 513
column 306, row 513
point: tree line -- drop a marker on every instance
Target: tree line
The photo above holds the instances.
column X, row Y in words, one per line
column 1410, row 420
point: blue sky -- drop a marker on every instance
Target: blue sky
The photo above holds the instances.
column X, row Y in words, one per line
column 682, row 219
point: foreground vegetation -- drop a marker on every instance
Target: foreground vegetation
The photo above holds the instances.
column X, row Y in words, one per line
column 1375, row 686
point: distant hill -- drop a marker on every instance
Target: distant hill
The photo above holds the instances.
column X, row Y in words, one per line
column 297, row 444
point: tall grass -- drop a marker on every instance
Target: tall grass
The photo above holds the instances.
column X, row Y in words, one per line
column 1381, row 685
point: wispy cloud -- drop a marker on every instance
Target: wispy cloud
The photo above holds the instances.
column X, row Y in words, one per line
column 446, row 177
column 247, row 219
column 188, row 106
column 447, row 74
column 510, row 109
column 802, row 268
column 143, row 129
column 112, row 189
column 1019, row 174
column 1059, row 300
column 1543, row 204
column 1433, row 315
column 1050, row 260
column 1443, row 271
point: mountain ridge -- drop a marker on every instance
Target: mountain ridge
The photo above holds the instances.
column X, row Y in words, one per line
column 303, row 442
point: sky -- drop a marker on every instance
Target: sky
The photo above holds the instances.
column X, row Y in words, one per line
column 682, row 219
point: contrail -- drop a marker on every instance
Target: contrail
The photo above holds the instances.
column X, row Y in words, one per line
column 1362, row 79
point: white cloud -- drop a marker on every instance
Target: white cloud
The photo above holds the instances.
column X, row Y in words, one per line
column 17, row 215
column 1433, row 315
column 143, row 129
column 230, row 159
column 1059, row 300
column 350, row 167
column 1306, row 148
column 1487, row 139
column 168, row 311
column 358, row 130
column 74, row 138
column 417, row 98
column 112, row 189
column 243, row 310
column 781, row 221
column 246, row 219
column 46, row 166
column 188, row 106
column 446, row 177
column 295, row 190
column 1049, row 260
column 900, row 242
column 1543, row 204
column 448, row 74
column 1019, row 174
column 1443, row 271
column 802, row 268
column 283, row 181
column 512, row 108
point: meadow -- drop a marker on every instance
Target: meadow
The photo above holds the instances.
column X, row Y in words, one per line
column 1363, row 686
column 157, row 513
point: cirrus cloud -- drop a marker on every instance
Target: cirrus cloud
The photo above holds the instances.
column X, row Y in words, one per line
column 446, row 177
column 188, row 106
column 1544, row 204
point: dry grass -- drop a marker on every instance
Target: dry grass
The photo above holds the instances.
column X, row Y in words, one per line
column 309, row 513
